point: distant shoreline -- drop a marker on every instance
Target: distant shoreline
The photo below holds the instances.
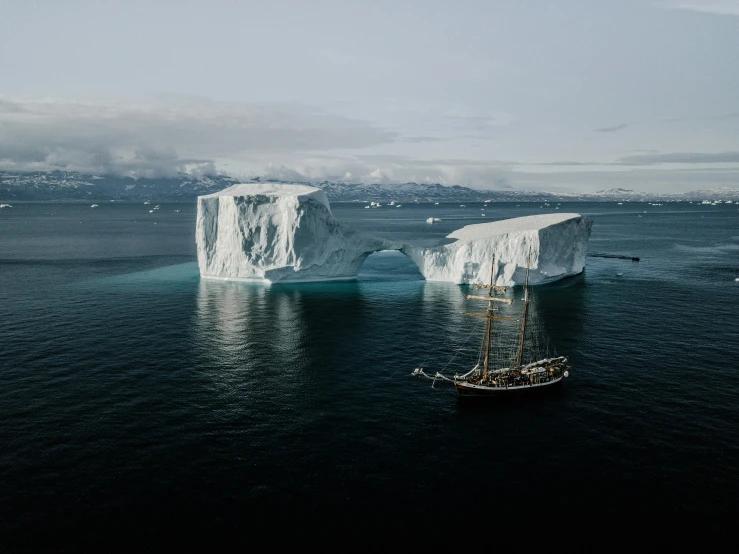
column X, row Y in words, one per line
column 61, row 186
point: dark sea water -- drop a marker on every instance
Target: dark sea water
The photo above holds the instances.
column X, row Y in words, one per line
column 139, row 402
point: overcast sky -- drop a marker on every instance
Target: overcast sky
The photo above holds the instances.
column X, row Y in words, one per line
column 563, row 95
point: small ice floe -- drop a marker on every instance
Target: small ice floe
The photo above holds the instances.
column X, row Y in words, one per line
column 178, row 211
column 5, row 206
column 366, row 207
column 147, row 202
column 399, row 205
column 482, row 215
column 462, row 206
column 392, row 203
column 436, row 203
column 433, row 220
column 619, row 274
column 736, row 280
column 94, row 206
column 151, row 211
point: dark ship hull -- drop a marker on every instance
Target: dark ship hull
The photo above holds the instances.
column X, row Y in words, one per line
column 465, row 388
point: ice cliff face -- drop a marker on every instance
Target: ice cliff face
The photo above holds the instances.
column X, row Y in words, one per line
column 277, row 233
column 558, row 245
column 286, row 232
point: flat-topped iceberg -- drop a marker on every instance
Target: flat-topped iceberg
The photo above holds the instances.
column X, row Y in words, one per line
column 277, row 233
column 286, row 232
column 557, row 242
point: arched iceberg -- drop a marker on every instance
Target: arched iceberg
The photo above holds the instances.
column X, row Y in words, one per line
column 286, row 232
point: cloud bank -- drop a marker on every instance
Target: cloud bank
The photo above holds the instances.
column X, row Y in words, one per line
column 611, row 129
column 682, row 158
column 163, row 138
column 720, row 7
column 174, row 135
column 177, row 135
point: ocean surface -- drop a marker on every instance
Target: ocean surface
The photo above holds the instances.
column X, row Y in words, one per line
column 139, row 401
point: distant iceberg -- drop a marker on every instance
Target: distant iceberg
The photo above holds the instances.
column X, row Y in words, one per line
column 287, row 232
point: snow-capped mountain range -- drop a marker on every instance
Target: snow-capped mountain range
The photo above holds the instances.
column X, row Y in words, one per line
column 70, row 185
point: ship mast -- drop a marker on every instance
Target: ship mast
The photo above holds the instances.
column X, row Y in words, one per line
column 490, row 321
column 489, row 314
column 519, row 356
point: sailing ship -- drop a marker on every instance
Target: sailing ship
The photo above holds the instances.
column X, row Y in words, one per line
column 484, row 379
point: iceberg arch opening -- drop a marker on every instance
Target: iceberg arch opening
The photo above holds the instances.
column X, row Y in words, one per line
column 389, row 265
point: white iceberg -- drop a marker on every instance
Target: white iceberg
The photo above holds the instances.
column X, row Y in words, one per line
column 286, row 232
column 277, row 233
column 557, row 242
